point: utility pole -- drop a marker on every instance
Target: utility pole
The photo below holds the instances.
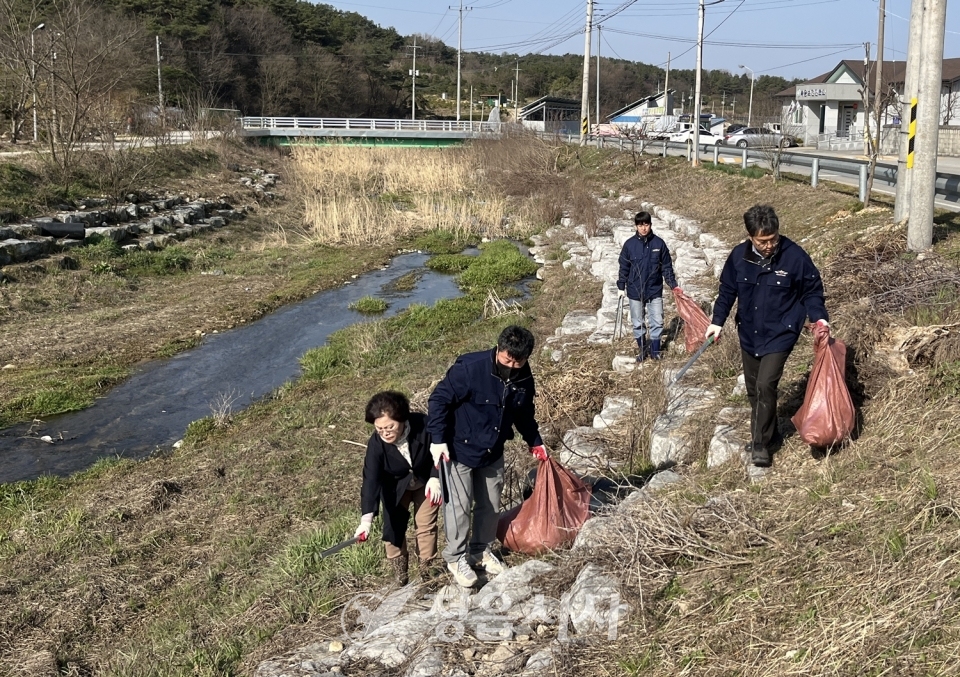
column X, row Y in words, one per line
column 460, row 50
column 585, row 92
column 723, row 102
column 471, row 106
column 920, row 226
column 516, row 95
column 598, row 74
column 414, row 72
column 162, row 110
column 695, row 160
column 901, row 210
column 666, row 88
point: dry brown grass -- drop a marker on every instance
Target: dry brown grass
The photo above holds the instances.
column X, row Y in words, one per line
column 354, row 195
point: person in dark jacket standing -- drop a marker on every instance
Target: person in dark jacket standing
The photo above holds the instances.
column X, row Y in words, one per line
column 644, row 264
column 398, row 472
column 777, row 288
column 473, row 411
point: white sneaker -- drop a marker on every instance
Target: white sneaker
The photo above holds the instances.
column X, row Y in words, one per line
column 462, row 573
column 489, row 563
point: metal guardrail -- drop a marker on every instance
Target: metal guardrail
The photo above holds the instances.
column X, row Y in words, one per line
column 947, row 187
column 251, row 123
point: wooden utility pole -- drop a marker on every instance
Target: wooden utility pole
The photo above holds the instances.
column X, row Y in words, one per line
column 585, row 91
column 414, row 72
column 461, row 10
column 597, row 113
column 922, row 190
column 516, row 95
column 874, row 143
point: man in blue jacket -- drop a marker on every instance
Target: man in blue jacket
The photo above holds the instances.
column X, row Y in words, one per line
column 644, row 264
column 777, row 288
column 472, row 413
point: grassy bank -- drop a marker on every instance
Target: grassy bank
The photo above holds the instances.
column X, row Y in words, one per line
column 205, row 561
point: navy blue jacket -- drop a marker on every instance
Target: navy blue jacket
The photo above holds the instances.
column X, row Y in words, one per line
column 773, row 300
column 386, row 476
column 644, row 264
column 474, row 411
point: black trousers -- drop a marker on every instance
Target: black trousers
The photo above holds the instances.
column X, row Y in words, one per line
column 762, row 375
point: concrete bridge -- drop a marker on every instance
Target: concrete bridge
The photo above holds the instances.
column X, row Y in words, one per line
column 283, row 131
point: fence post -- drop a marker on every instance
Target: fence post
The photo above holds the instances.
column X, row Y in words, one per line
column 621, row 143
column 863, row 183
column 716, row 155
column 743, row 160
column 664, row 148
column 815, row 172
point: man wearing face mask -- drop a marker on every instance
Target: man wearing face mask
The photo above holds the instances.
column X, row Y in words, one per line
column 472, row 413
column 776, row 287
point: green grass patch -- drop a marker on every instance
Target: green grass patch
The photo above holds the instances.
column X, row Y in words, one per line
column 737, row 170
column 58, row 390
column 450, row 263
column 499, row 263
column 441, row 242
column 369, row 305
column 167, row 261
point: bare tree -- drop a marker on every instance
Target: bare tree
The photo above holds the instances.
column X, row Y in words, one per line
column 88, row 85
column 18, row 60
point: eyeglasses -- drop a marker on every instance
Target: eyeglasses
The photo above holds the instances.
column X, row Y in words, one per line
column 766, row 241
column 388, row 430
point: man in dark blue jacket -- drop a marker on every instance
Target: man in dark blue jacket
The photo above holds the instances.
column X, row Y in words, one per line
column 777, row 288
column 644, row 264
column 473, row 411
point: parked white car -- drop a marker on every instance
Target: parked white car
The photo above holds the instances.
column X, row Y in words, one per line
column 686, row 136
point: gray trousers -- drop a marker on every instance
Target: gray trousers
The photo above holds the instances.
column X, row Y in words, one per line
column 468, row 488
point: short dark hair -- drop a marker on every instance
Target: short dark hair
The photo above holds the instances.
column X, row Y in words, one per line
column 517, row 341
column 388, row 403
column 642, row 217
column 761, row 220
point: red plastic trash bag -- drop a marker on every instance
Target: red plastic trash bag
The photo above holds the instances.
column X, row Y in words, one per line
column 551, row 516
column 695, row 321
column 827, row 416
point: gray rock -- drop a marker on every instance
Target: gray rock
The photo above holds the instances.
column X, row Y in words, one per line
column 115, row 233
column 740, row 390
column 26, row 250
column 614, row 408
column 393, row 643
column 429, row 663
column 129, row 248
column 578, row 322
column 24, row 230
column 216, row 221
column 624, row 363
column 593, row 603
column 540, row 663
column 583, row 450
column 511, row 587
column 662, row 479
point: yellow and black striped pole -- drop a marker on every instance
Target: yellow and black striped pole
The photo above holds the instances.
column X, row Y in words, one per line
column 912, row 133
column 584, row 126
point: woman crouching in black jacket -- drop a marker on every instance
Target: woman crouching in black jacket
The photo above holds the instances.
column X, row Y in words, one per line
column 398, row 471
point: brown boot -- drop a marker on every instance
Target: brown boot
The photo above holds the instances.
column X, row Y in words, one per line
column 400, row 569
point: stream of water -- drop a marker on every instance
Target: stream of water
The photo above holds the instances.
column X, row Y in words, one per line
column 152, row 408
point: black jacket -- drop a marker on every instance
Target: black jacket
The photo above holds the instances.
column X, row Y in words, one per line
column 644, row 264
column 773, row 297
column 386, row 476
column 474, row 411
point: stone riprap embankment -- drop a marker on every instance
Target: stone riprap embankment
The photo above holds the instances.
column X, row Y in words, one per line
column 144, row 222
column 509, row 625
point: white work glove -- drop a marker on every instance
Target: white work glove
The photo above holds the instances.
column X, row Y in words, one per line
column 539, row 452
column 621, row 293
column 439, row 451
column 364, row 529
column 432, row 492
column 714, row 331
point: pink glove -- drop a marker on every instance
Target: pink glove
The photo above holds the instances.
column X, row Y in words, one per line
column 823, row 323
column 432, row 492
column 539, row 452
column 677, row 290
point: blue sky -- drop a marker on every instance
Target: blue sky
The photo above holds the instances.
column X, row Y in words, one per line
column 791, row 38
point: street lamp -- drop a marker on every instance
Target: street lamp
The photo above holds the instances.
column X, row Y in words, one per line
column 750, row 109
column 695, row 160
column 33, row 78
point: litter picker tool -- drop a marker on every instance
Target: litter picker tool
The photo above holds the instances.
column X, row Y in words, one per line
column 696, row 356
column 618, row 321
column 338, row 547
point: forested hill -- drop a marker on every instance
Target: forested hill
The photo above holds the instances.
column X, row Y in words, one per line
column 289, row 57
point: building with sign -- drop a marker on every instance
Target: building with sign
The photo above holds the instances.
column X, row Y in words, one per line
column 828, row 111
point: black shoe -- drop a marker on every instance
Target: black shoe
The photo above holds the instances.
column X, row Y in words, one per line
column 776, row 442
column 760, row 456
